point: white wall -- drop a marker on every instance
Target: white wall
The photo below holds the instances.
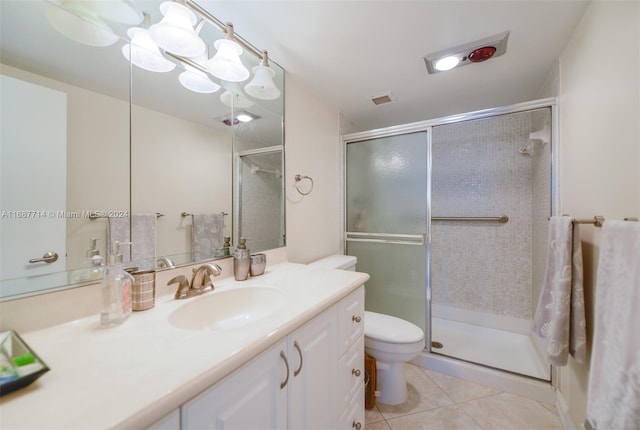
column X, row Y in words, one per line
column 312, row 131
column 600, row 144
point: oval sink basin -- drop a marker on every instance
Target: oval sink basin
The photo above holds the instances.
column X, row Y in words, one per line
column 221, row 310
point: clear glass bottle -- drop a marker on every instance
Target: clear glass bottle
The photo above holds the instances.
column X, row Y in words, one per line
column 116, row 289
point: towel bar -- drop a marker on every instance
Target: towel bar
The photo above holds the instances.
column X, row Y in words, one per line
column 598, row 220
column 186, row 214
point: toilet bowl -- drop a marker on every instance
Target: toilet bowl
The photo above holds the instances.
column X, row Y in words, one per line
column 390, row 340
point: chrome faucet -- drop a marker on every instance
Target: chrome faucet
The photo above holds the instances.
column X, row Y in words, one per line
column 165, row 262
column 201, row 282
column 203, row 275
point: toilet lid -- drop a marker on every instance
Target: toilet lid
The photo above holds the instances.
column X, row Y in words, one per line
column 387, row 328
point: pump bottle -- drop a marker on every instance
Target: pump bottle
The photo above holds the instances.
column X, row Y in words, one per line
column 241, row 261
column 116, row 289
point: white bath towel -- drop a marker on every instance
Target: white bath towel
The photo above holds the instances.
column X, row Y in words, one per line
column 144, row 233
column 559, row 322
column 119, row 230
column 614, row 378
column 206, row 234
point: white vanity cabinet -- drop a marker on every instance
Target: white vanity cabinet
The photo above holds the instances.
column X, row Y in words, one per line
column 351, row 361
column 311, row 379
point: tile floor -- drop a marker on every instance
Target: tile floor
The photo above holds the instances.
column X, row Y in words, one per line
column 441, row 402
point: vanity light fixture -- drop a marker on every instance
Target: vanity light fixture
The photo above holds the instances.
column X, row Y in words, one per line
column 473, row 52
column 262, row 86
column 194, row 79
column 79, row 23
column 143, row 52
column 175, row 32
column 234, row 97
column 226, row 63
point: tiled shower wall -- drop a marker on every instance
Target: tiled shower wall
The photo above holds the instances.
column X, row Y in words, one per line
column 478, row 171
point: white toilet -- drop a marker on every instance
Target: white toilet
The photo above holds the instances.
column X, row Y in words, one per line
column 391, row 341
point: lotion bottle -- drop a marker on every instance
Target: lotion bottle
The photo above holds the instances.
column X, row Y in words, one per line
column 241, row 261
column 116, row 289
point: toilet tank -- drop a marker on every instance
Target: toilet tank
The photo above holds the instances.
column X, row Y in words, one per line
column 342, row 262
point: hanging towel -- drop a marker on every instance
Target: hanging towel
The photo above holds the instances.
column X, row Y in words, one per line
column 614, row 378
column 144, row 235
column 206, row 235
column 559, row 321
column 118, row 230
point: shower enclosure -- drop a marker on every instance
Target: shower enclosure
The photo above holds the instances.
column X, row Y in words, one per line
column 449, row 217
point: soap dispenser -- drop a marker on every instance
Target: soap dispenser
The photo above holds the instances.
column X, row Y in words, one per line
column 241, row 261
column 93, row 267
column 116, row 289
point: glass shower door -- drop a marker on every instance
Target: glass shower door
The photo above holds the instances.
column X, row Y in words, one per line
column 386, row 209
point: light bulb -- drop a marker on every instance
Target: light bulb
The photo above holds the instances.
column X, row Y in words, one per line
column 447, row 63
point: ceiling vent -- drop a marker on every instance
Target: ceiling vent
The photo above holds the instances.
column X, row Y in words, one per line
column 383, row 99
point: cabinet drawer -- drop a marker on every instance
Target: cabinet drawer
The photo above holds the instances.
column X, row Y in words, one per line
column 351, row 373
column 351, row 314
column 352, row 418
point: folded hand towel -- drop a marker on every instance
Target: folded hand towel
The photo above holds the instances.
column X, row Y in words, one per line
column 559, row 322
column 206, row 235
column 143, row 236
column 614, row 378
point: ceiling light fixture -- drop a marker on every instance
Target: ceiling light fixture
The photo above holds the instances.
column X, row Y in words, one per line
column 173, row 40
column 175, row 33
column 195, row 79
column 262, row 86
column 473, row 52
column 79, row 23
column 143, row 52
column 226, row 64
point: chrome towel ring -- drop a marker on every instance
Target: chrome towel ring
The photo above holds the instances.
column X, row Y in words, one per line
column 299, row 178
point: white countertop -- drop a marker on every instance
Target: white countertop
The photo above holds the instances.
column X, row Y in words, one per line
column 131, row 375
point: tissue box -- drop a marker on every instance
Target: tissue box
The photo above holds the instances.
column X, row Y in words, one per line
column 19, row 365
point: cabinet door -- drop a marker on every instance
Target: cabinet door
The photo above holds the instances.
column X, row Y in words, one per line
column 253, row 397
column 313, row 359
column 171, row 421
column 351, row 373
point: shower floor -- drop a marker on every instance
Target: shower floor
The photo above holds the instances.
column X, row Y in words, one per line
column 499, row 349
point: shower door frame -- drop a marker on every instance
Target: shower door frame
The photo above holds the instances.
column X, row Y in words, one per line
column 427, row 126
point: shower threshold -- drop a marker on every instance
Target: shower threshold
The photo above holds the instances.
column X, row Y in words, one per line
column 499, row 349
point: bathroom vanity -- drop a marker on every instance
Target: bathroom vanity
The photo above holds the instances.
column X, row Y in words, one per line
column 283, row 350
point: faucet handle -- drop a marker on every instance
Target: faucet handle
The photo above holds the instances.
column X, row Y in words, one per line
column 184, row 286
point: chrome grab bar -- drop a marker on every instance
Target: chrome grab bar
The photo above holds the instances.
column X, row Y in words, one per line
column 502, row 219
column 398, row 239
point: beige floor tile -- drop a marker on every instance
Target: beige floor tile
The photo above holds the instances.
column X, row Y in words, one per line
column 372, row 415
column 458, row 389
column 380, row 425
column 446, row 418
column 424, row 395
column 507, row 411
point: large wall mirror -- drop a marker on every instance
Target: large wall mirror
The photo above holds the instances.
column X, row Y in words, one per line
column 95, row 147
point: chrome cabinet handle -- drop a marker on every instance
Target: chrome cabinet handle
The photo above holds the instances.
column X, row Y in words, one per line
column 286, row 363
column 356, row 425
column 297, row 346
column 356, row 318
column 355, row 372
column 48, row 258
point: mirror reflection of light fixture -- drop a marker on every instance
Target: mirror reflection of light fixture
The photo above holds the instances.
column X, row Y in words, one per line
column 234, row 97
column 175, row 33
column 262, row 86
column 196, row 80
column 122, row 11
column 226, row 63
column 242, row 116
column 78, row 23
column 143, row 52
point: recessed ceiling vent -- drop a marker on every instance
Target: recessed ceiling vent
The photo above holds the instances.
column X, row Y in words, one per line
column 383, row 99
